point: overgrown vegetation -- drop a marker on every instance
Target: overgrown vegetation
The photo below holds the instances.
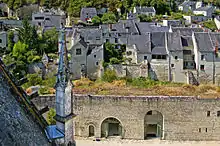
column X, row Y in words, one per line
column 210, row 25
column 50, row 117
column 46, row 86
column 110, row 84
column 113, row 54
column 29, row 49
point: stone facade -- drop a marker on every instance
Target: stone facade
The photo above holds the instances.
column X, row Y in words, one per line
column 184, row 118
column 179, row 118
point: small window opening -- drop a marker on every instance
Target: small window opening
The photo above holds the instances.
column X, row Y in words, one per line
column 206, row 130
column 172, row 65
column 94, row 56
column 208, row 113
column 200, row 130
column 97, row 63
column 202, row 67
column 176, row 57
column 218, row 113
column 202, row 57
column 145, row 57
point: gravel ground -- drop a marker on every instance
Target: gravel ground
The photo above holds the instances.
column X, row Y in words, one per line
column 87, row 142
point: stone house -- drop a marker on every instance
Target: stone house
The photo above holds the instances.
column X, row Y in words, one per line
column 3, row 39
column 174, row 23
column 87, row 14
column 149, row 11
column 206, row 57
column 189, row 6
column 49, row 18
column 194, row 19
column 86, row 59
column 205, row 11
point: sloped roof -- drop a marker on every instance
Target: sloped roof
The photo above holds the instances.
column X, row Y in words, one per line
column 145, row 9
column 204, row 8
column 186, row 31
column 90, row 11
column 188, row 3
column 158, row 43
column 151, row 27
column 174, row 41
column 203, row 41
column 142, row 42
column 17, row 126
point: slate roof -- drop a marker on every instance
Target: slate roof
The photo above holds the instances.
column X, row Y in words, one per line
column 174, row 41
column 158, row 43
column 145, row 9
column 17, row 125
column 186, row 31
column 145, row 27
column 90, row 11
column 188, row 3
column 204, row 8
column 204, row 42
column 142, row 42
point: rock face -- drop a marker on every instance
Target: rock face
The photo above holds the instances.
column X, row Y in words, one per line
column 17, row 127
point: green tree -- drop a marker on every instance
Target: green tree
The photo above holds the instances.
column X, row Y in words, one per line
column 50, row 116
column 49, row 41
column 96, row 20
column 108, row 18
column 144, row 18
column 10, row 41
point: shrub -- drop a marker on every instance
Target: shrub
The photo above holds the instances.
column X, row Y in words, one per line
column 119, row 83
column 204, row 88
column 109, row 75
column 33, row 80
column 44, row 90
column 82, row 82
column 218, row 89
column 50, row 117
column 114, row 61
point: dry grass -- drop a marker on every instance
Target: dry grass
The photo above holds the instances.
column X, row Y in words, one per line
column 120, row 87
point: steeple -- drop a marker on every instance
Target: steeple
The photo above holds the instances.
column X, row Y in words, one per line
column 62, row 132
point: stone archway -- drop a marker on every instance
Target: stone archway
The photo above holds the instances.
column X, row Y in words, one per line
column 111, row 127
column 91, row 130
column 153, row 125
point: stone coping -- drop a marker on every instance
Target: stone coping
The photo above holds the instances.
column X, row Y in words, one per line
column 137, row 97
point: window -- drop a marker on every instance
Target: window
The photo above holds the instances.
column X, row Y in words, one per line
column 199, row 129
column 172, row 65
column 116, row 40
column 0, row 40
column 218, row 113
column 159, row 57
column 176, row 57
column 78, row 51
column 94, row 56
column 206, row 130
column 202, row 67
column 145, row 57
column 208, row 113
column 39, row 18
column 129, row 53
column 97, row 63
column 47, row 18
column 107, row 40
column 202, row 57
column 97, row 38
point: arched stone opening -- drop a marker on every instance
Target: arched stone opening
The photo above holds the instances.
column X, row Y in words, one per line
column 111, row 127
column 153, row 125
column 91, row 130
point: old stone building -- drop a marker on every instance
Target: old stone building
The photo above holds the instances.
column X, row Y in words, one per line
column 144, row 117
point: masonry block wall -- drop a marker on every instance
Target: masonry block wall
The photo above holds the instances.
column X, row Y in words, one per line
column 185, row 118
